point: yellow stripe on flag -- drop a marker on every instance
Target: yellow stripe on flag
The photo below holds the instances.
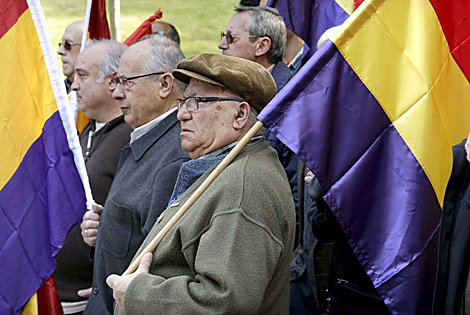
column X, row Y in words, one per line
column 346, row 5
column 32, row 306
column 23, row 92
column 411, row 73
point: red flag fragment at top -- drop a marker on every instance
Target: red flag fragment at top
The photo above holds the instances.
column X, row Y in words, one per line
column 98, row 28
column 144, row 29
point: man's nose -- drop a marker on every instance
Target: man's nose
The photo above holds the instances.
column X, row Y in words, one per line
column 183, row 114
column 75, row 85
column 61, row 50
column 118, row 93
column 223, row 43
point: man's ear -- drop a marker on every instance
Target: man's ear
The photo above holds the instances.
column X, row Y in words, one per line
column 262, row 46
column 242, row 115
column 166, row 82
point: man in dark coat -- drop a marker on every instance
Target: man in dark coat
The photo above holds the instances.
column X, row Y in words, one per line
column 101, row 142
column 259, row 34
column 148, row 166
column 454, row 238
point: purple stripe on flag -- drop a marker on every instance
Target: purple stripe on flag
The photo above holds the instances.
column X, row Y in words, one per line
column 390, row 214
column 38, row 206
column 373, row 183
column 327, row 99
column 310, row 19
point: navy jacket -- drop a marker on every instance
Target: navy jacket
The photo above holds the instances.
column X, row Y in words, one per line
column 288, row 159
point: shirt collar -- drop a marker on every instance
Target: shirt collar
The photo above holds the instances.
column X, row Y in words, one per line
column 142, row 130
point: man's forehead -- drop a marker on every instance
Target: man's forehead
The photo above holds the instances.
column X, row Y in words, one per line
column 239, row 22
column 87, row 60
column 73, row 33
column 134, row 58
column 131, row 62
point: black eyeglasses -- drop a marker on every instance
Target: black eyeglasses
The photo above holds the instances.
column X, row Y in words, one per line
column 230, row 37
column 192, row 102
column 124, row 81
column 68, row 44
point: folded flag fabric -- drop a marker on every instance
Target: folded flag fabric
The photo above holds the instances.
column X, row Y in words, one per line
column 309, row 19
column 374, row 114
column 42, row 173
column 98, row 27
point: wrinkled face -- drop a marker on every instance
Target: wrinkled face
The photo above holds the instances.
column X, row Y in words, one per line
column 91, row 95
column 209, row 127
column 140, row 103
column 73, row 34
column 241, row 46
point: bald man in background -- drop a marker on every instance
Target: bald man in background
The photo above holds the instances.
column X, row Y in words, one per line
column 69, row 49
column 167, row 30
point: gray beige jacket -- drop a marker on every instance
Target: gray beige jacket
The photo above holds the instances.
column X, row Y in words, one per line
column 230, row 253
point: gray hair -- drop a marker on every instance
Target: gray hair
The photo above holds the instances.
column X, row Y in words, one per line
column 164, row 56
column 267, row 22
column 110, row 61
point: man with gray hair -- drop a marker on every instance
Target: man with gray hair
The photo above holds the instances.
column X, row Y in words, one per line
column 148, row 166
column 259, row 34
column 101, row 141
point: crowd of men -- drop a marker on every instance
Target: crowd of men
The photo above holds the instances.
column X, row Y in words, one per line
column 259, row 240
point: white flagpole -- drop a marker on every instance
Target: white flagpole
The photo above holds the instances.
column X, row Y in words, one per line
column 58, row 87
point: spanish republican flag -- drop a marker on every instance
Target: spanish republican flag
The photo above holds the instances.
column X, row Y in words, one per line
column 41, row 171
column 374, row 114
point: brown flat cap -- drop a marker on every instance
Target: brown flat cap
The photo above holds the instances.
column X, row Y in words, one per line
column 249, row 80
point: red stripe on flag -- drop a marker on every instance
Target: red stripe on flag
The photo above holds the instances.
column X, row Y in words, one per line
column 454, row 17
column 357, row 3
column 10, row 12
column 49, row 299
column 98, row 27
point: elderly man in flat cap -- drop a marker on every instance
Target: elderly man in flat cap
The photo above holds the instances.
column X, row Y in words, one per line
column 230, row 252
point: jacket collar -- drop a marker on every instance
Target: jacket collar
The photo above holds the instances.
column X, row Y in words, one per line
column 281, row 74
column 141, row 145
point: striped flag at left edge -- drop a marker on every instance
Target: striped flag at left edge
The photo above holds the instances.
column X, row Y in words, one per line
column 42, row 174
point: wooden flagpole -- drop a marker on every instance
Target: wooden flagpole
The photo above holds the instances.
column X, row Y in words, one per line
column 222, row 165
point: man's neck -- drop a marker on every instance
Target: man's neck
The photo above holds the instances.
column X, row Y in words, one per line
column 294, row 44
column 108, row 116
column 263, row 60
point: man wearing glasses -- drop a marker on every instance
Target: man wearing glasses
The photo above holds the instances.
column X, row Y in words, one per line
column 230, row 253
column 259, row 34
column 101, row 141
column 69, row 49
column 148, row 166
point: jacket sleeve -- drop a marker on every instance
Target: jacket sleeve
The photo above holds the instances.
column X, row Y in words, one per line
column 227, row 253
